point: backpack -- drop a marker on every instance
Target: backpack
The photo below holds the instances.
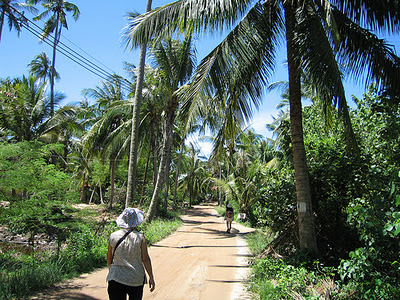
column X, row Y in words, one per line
column 229, row 213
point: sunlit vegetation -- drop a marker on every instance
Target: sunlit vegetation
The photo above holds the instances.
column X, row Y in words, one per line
column 64, row 167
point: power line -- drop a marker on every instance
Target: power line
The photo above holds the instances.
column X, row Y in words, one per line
column 87, row 53
column 70, row 53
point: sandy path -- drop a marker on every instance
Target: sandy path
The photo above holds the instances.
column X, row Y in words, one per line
column 199, row 261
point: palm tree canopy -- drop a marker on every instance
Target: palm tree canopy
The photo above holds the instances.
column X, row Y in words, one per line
column 57, row 9
column 12, row 10
column 329, row 35
column 192, row 14
column 41, row 67
column 25, row 108
column 175, row 60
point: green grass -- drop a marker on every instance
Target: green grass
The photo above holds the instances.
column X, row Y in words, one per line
column 220, row 210
column 160, row 228
column 258, row 240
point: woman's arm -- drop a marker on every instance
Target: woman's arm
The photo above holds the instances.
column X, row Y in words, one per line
column 147, row 264
column 109, row 254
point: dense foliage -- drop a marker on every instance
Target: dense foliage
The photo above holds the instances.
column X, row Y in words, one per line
column 355, row 198
column 54, row 156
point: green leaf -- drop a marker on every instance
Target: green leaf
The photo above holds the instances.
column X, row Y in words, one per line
column 397, row 231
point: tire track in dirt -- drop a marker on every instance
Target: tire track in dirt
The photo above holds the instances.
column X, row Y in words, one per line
column 199, row 261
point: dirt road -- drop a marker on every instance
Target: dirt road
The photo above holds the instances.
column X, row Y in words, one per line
column 199, row 261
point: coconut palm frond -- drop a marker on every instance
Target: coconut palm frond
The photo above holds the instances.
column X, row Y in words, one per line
column 181, row 16
column 362, row 50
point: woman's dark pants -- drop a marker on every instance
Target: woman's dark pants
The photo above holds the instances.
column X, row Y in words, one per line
column 118, row 291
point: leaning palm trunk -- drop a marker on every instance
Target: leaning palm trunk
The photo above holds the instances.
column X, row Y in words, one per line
column 304, row 206
column 130, row 188
column 169, row 121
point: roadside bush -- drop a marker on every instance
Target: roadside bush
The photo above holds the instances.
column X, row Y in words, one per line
column 276, row 209
column 276, row 279
column 220, row 210
column 84, row 252
column 295, row 277
column 373, row 269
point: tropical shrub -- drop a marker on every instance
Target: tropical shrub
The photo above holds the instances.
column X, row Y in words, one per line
column 25, row 171
column 372, row 268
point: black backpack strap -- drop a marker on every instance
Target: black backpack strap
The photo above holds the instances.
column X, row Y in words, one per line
column 120, row 241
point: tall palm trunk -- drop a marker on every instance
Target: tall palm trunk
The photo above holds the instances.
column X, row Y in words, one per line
column 53, row 65
column 167, row 169
column 145, row 176
column 130, row 188
column 178, row 169
column 83, row 196
column 167, row 134
column 304, row 206
column 154, row 149
column 3, row 15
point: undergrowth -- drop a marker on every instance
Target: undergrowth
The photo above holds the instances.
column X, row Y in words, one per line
column 273, row 277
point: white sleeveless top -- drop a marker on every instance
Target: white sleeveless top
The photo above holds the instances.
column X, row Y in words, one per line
column 127, row 267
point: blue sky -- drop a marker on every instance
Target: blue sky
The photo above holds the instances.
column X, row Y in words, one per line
column 98, row 32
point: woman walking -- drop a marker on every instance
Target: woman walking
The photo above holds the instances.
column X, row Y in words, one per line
column 229, row 217
column 128, row 258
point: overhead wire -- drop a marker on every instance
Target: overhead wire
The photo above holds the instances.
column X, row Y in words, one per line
column 112, row 71
column 69, row 52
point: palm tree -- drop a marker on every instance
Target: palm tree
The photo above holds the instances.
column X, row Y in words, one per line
column 12, row 10
column 175, row 61
column 108, row 136
column 25, row 108
column 319, row 36
column 63, row 127
column 80, row 165
column 41, row 66
column 150, row 118
column 57, row 9
column 25, row 113
column 194, row 174
column 227, row 132
column 137, row 102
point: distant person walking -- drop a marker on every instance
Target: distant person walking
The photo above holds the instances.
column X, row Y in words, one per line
column 229, row 217
column 128, row 258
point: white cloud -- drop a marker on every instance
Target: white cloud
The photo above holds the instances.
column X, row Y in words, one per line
column 204, row 146
column 259, row 122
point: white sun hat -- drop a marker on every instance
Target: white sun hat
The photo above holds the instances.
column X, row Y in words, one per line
column 130, row 217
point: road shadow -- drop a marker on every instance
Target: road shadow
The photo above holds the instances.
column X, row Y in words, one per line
column 196, row 246
column 228, row 266
column 65, row 291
